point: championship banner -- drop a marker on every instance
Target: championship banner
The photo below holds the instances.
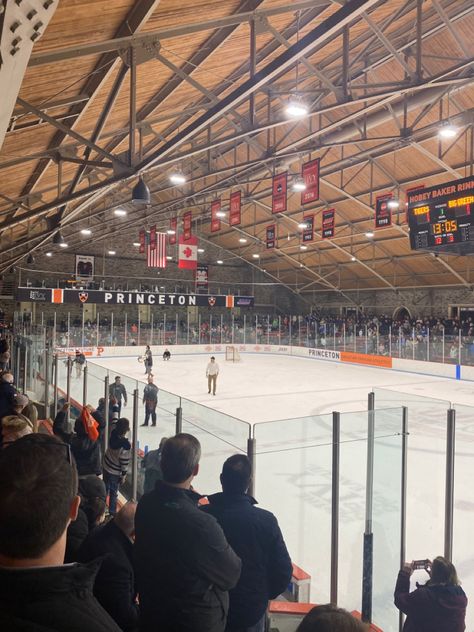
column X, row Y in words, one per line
column 235, row 213
column 84, row 267
column 215, row 221
column 187, row 225
column 102, row 297
column 308, row 232
column 271, row 236
column 310, row 175
column 173, row 226
column 328, row 223
column 279, row 192
column 202, row 277
column 383, row 213
column 142, row 240
column 153, row 237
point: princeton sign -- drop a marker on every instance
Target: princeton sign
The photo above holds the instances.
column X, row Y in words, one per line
column 102, row 297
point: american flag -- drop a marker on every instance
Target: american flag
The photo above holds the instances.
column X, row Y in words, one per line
column 156, row 256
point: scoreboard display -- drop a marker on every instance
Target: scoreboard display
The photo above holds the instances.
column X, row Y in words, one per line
column 441, row 218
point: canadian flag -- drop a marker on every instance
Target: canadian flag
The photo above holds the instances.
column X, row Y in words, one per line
column 188, row 253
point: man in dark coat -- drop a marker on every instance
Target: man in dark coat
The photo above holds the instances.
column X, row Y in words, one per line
column 38, row 499
column 183, row 562
column 115, row 582
column 8, row 393
column 255, row 536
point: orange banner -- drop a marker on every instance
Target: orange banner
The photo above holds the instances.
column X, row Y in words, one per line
column 371, row 360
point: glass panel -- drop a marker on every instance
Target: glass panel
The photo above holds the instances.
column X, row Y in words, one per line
column 220, row 436
column 294, row 463
column 386, row 516
column 426, row 469
column 463, row 502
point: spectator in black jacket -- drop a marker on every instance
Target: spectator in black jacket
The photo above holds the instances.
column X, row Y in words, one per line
column 8, row 393
column 183, row 562
column 255, row 536
column 114, row 585
column 61, row 425
column 38, row 499
column 86, row 451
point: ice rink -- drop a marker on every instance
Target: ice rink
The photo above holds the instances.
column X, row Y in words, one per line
column 293, row 477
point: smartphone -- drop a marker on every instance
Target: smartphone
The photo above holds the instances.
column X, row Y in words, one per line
column 420, row 564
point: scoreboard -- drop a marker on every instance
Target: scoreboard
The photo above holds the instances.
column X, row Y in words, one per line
column 441, row 218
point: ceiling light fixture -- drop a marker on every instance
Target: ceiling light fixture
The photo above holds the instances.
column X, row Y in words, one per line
column 141, row 193
column 299, row 184
column 296, row 108
column 303, row 247
column 120, row 212
column 220, row 213
column 393, row 203
column 201, row 250
column 170, row 231
column 177, row 177
column 256, row 256
column 220, row 262
column 136, row 243
column 169, row 257
column 49, row 254
column 302, row 225
column 63, row 245
column 112, row 252
column 369, row 234
column 242, row 240
column 353, row 258
column 448, row 131
column 86, row 231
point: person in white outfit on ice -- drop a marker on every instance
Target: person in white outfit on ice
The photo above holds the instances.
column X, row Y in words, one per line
column 212, row 371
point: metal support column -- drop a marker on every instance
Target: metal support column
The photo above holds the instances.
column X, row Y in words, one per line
column 47, row 364
column 367, row 576
column 135, row 445
column 68, row 385
column 449, row 493
column 251, row 453
column 336, row 437
column 25, row 368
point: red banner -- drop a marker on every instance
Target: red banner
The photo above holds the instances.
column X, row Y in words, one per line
column 308, row 232
column 202, row 277
column 153, row 238
column 271, row 236
column 173, row 226
column 383, row 213
column 279, row 192
column 328, row 223
column 235, row 214
column 310, row 175
column 142, row 239
column 215, row 221
column 187, row 225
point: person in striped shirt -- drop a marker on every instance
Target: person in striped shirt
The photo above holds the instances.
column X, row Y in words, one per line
column 116, row 460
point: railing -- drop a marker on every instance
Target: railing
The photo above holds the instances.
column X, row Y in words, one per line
column 123, row 329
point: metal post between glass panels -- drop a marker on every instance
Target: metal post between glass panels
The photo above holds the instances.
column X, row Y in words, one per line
column 366, row 340
column 336, row 437
column 82, row 332
column 112, row 328
column 47, row 361
column 151, row 329
column 25, row 368
column 179, row 420
column 135, row 445
column 413, row 343
column 233, row 325
column 125, row 332
column 459, row 347
column 251, row 453
column 279, row 331
column 176, row 330
column 55, row 382
column 139, row 326
column 68, row 329
column 289, row 331
column 163, row 342
column 54, row 330
column 367, row 576
column 84, row 386
column 106, row 412
column 390, row 341
column 256, row 330
column 443, row 345
column 187, row 327
column 428, row 344
column 449, row 492
column 68, row 384
column 199, row 328
column 268, row 329
column 97, row 324
column 245, row 327
column 403, row 496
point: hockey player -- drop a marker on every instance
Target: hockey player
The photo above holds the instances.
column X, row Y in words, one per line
column 150, row 399
column 166, row 354
column 79, row 361
column 148, row 360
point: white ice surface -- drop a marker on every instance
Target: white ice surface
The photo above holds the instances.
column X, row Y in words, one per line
column 294, row 457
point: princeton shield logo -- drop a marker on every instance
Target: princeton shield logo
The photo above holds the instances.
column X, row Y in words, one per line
column 83, row 296
column 212, row 301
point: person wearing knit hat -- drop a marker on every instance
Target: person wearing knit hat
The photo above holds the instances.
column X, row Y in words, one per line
column 14, row 427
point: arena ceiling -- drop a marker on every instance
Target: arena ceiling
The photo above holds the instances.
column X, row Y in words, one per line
column 117, row 89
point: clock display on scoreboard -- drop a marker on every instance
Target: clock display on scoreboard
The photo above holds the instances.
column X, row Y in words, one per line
column 441, row 218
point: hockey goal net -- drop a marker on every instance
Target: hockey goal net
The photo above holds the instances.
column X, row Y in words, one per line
column 231, row 354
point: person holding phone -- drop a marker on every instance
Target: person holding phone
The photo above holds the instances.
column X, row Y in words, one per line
column 437, row 606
